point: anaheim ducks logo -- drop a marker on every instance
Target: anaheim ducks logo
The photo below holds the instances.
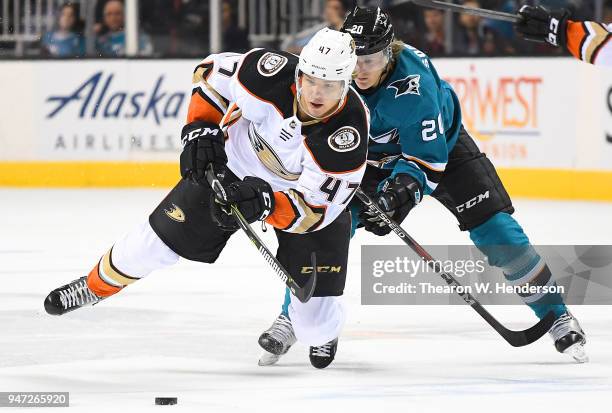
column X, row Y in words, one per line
column 175, row 213
column 270, row 64
column 268, row 157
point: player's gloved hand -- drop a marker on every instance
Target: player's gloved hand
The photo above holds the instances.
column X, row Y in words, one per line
column 397, row 197
column 203, row 144
column 254, row 198
column 539, row 24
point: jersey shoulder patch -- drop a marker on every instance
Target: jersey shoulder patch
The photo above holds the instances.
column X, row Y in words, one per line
column 271, row 63
column 411, row 88
column 340, row 144
column 410, row 78
column 268, row 75
column 410, row 85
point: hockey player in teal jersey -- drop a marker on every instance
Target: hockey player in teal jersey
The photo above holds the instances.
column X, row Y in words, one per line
column 419, row 147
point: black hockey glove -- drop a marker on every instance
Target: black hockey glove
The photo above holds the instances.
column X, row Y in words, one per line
column 203, row 144
column 539, row 24
column 254, row 198
column 398, row 196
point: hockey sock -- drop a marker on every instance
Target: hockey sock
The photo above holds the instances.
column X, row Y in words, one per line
column 132, row 257
column 285, row 306
column 506, row 246
column 355, row 222
column 105, row 279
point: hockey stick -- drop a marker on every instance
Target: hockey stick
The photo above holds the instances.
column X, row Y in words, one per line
column 514, row 338
column 457, row 8
column 302, row 293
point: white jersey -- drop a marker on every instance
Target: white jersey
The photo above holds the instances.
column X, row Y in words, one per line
column 590, row 41
column 313, row 167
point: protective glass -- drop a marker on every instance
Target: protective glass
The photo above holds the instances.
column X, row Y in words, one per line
column 372, row 62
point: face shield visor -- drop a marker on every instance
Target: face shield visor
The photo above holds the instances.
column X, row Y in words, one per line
column 372, row 62
column 313, row 88
column 320, row 98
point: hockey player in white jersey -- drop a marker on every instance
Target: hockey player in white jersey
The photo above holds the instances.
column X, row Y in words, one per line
column 585, row 40
column 290, row 136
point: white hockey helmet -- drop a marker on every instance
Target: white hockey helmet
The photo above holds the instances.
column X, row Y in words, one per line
column 329, row 55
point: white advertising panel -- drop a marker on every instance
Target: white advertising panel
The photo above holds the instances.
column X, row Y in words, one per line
column 98, row 110
column 524, row 113
column 604, row 101
column 516, row 109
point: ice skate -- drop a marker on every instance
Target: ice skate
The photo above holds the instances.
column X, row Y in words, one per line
column 276, row 340
column 70, row 297
column 322, row 356
column 569, row 337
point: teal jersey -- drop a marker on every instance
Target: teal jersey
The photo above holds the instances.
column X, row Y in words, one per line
column 415, row 120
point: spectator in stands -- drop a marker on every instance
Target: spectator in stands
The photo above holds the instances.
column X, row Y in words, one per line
column 176, row 27
column 334, row 14
column 472, row 37
column 66, row 40
column 408, row 24
column 503, row 28
column 235, row 38
column 607, row 13
column 111, row 41
column 433, row 42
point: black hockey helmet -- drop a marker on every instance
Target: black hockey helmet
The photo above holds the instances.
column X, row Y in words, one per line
column 371, row 29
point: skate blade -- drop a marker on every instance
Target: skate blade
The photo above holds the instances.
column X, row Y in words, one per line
column 268, row 359
column 577, row 352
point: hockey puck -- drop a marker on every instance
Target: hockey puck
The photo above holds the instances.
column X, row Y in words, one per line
column 165, row 401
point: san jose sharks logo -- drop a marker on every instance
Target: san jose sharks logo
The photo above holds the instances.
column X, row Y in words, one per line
column 409, row 85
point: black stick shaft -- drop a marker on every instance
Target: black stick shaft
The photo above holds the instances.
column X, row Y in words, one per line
column 514, row 338
column 302, row 293
column 458, row 8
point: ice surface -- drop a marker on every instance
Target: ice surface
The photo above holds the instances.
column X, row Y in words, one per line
column 191, row 331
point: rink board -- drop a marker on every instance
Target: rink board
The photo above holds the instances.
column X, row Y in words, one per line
column 545, row 123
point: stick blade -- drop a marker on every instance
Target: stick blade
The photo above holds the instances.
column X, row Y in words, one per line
column 307, row 290
column 532, row 334
column 517, row 338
